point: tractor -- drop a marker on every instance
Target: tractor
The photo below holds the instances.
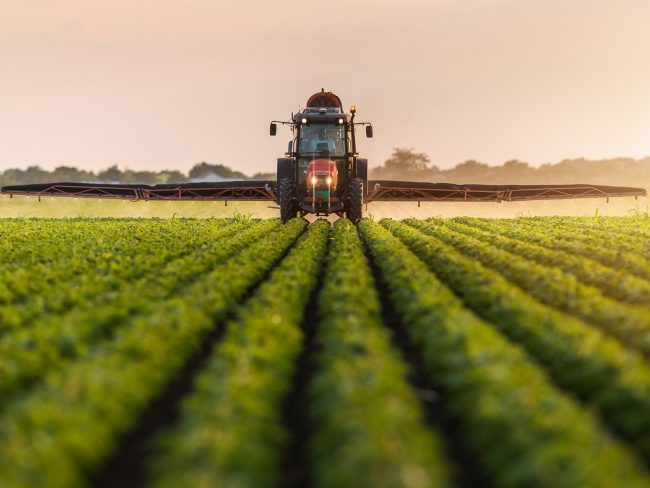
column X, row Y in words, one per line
column 321, row 172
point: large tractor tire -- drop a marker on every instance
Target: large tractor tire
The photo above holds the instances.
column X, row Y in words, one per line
column 362, row 172
column 285, row 168
column 355, row 200
column 286, row 196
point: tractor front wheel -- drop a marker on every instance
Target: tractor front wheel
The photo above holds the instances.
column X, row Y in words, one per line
column 355, row 200
column 286, row 196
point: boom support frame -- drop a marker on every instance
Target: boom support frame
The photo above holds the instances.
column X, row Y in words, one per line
column 377, row 191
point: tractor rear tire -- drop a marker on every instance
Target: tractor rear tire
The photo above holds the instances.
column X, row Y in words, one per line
column 355, row 200
column 286, row 193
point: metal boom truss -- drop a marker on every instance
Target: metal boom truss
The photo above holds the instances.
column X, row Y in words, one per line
column 377, row 191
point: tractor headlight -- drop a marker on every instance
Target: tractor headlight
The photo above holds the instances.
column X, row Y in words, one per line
column 329, row 180
column 304, row 121
column 314, row 180
column 340, row 121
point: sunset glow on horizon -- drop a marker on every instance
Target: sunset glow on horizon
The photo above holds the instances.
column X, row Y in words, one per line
column 165, row 84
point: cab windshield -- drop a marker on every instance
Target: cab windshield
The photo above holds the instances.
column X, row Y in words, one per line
column 321, row 141
column 316, row 138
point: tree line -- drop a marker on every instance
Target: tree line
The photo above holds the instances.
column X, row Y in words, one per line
column 403, row 164
column 200, row 172
column 406, row 164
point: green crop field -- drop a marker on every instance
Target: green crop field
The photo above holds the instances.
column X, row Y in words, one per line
column 241, row 352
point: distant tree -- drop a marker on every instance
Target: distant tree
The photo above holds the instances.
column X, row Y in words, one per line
column 264, row 176
column 33, row 174
column 513, row 172
column 111, row 174
column 70, row 173
column 470, row 171
column 144, row 177
column 171, row 176
column 205, row 170
column 515, row 165
column 407, row 160
column 405, row 163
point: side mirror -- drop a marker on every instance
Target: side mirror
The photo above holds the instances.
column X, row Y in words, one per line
column 368, row 130
column 290, row 147
column 273, row 129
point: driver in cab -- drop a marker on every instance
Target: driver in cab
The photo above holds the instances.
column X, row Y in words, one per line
column 322, row 142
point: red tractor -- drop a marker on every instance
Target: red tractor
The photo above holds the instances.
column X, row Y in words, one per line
column 322, row 173
column 322, row 178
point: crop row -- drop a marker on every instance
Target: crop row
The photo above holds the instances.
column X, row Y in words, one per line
column 52, row 341
column 626, row 227
column 230, row 431
column 36, row 257
column 47, row 254
column 97, row 274
column 522, row 430
column 412, row 354
column 580, row 358
column 552, row 286
column 603, row 250
column 368, row 427
column 67, row 426
column 626, row 236
column 618, row 284
column 31, row 241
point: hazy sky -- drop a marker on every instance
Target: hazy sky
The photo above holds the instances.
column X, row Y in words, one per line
column 152, row 84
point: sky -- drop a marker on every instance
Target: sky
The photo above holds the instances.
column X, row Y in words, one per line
column 156, row 84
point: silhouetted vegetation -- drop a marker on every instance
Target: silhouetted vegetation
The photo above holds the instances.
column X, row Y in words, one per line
column 200, row 172
column 406, row 164
column 403, row 164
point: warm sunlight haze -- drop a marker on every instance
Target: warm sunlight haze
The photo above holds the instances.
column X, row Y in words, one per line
column 333, row 244
column 165, row 84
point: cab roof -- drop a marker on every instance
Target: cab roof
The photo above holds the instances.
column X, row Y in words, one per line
column 321, row 116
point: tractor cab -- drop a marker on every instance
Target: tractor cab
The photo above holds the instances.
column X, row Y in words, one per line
column 318, row 142
column 322, row 173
